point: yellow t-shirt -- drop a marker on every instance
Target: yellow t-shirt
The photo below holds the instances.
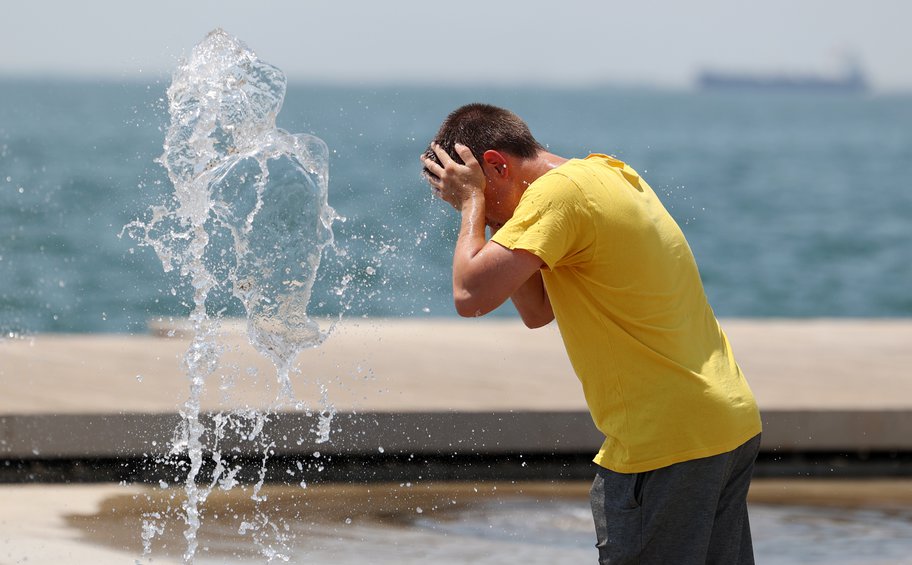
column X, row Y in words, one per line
column 657, row 371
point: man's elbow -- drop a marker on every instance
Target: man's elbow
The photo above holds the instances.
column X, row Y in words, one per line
column 538, row 320
column 471, row 304
column 468, row 308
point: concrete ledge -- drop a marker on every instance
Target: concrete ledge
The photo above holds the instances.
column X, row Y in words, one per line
column 837, row 430
column 112, row 436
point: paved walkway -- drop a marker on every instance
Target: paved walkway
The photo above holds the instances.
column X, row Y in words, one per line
column 422, row 383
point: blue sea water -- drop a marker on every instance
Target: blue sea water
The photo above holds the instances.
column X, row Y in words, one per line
column 796, row 205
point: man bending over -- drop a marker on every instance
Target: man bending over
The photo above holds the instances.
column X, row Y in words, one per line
column 587, row 242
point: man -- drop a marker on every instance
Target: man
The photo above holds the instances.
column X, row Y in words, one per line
column 587, row 241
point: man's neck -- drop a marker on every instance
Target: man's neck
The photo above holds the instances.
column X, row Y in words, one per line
column 541, row 163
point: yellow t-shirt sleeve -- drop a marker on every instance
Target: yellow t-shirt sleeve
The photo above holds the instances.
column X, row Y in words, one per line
column 550, row 222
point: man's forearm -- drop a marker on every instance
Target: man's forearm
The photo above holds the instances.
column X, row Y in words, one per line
column 532, row 302
column 486, row 274
column 469, row 243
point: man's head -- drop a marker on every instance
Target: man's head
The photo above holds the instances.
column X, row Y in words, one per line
column 483, row 127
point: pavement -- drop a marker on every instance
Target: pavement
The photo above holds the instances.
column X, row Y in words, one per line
column 486, row 386
column 411, row 388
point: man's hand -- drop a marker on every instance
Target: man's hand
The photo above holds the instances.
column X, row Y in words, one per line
column 456, row 184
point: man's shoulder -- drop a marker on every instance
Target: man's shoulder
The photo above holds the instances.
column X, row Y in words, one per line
column 594, row 173
column 563, row 177
column 572, row 178
column 554, row 188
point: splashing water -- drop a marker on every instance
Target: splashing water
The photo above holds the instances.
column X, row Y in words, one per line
column 248, row 219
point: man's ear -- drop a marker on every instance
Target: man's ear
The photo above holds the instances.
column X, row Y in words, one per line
column 497, row 161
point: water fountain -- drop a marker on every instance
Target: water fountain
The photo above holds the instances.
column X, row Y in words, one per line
column 248, row 221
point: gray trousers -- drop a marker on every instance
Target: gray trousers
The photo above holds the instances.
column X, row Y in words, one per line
column 693, row 512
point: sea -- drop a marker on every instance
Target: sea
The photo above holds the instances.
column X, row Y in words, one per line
column 796, row 205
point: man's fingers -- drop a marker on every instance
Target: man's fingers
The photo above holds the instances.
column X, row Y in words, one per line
column 432, row 166
column 467, row 157
column 442, row 155
column 462, row 150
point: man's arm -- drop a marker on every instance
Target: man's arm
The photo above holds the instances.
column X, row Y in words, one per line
column 532, row 302
column 485, row 273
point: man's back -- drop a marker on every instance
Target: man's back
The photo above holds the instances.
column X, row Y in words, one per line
column 657, row 371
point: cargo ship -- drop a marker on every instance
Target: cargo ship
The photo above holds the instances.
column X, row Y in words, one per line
column 853, row 81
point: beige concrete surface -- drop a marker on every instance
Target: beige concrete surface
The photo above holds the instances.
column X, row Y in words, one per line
column 34, row 527
column 366, row 365
column 443, row 365
column 826, row 364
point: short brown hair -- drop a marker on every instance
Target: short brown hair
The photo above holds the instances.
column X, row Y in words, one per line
column 481, row 127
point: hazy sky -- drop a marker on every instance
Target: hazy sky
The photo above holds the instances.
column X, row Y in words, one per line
column 566, row 42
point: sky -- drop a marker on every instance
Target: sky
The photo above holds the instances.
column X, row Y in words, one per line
column 566, row 43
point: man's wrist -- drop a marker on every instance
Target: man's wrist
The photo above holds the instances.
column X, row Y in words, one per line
column 472, row 203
